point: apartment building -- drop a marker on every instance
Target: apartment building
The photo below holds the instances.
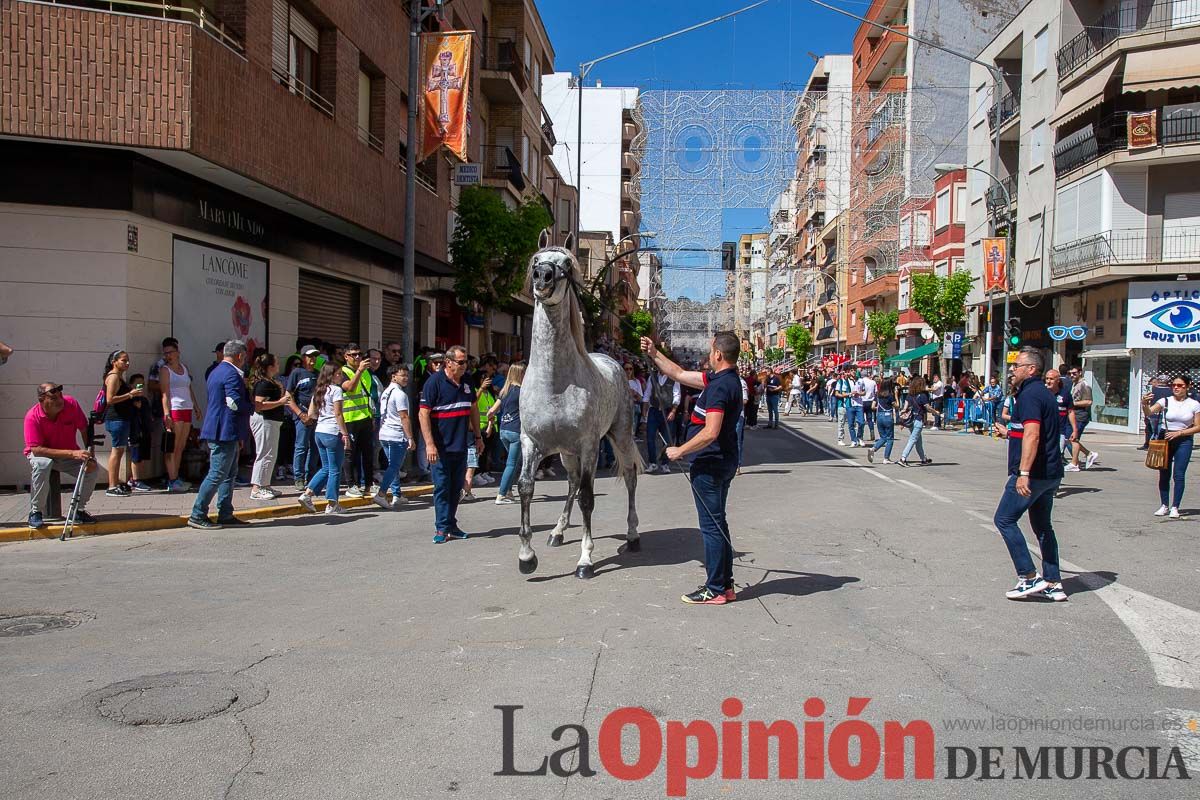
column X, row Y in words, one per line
column 908, row 114
column 158, row 159
column 781, row 261
column 1105, row 189
column 823, row 125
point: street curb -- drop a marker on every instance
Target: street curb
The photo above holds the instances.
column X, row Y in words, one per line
column 167, row 522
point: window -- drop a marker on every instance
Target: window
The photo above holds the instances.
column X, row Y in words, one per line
column 960, row 204
column 537, row 78
column 956, row 265
column 902, row 297
column 528, row 55
column 906, row 238
column 941, row 268
column 564, row 215
column 525, row 155
column 1037, row 146
column 1041, row 51
column 921, row 231
column 942, row 210
column 1099, row 312
column 295, row 43
column 1077, row 210
column 1112, row 309
column 853, row 316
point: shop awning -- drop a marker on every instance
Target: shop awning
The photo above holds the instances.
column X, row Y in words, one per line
column 1162, row 68
column 1085, row 95
column 914, row 354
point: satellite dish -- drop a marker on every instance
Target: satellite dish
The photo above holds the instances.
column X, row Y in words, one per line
column 927, row 334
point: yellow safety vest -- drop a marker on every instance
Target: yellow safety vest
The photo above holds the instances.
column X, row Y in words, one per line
column 356, row 405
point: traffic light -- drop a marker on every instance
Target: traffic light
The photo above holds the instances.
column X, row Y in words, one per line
column 1013, row 332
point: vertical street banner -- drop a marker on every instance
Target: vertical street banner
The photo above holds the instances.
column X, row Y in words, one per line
column 995, row 265
column 446, row 80
column 1142, row 129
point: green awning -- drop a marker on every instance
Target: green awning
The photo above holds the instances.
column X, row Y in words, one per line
column 914, row 354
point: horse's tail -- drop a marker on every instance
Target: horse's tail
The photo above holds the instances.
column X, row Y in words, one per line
column 639, row 464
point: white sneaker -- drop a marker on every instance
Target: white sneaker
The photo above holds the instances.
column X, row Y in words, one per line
column 1071, row 468
column 374, row 489
column 398, row 500
column 888, row 461
column 262, row 494
column 1091, row 460
column 334, row 510
column 504, row 500
column 306, row 500
column 1054, row 591
column 1026, row 587
column 381, row 500
column 1174, row 514
column 841, row 443
column 1162, row 511
column 354, row 491
column 651, row 469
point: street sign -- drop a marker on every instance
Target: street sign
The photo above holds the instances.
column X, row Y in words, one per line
column 952, row 344
column 468, row 174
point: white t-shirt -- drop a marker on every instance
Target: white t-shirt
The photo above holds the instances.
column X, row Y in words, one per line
column 326, row 419
column 391, row 403
column 937, row 390
column 797, row 382
column 869, row 388
column 1180, row 413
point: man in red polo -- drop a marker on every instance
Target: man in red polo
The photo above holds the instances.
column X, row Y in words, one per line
column 52, row 429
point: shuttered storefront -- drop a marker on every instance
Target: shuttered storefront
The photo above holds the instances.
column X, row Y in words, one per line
column 328, row 309
column 393, row 318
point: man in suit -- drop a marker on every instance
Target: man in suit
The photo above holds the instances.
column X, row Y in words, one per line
column 226, row 425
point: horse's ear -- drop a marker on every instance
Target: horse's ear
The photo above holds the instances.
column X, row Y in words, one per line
column 569, row 242
column 544, row 239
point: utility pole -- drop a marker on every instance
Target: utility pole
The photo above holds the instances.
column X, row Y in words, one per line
column 419, row 12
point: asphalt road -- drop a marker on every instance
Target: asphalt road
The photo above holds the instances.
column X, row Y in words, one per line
column 353, row 659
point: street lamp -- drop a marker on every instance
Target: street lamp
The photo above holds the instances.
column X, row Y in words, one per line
column 942, row 169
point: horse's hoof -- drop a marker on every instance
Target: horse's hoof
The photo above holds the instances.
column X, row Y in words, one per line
column 528, row 567
column 585, row 571
column 554, row 540
column 633, row 545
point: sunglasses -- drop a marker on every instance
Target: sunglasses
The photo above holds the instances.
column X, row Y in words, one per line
column 51, row 390
column 1060, row 332
column 353, row 355
column 459, row 362
column 1173, row 385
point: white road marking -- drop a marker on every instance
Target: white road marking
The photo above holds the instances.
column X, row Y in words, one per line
column 977, row 515
column 923, row 490
column 836, row 455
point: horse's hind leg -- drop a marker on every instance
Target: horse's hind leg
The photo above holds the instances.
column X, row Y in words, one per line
column 530, row 456
column 564, row 520
column 629, row 460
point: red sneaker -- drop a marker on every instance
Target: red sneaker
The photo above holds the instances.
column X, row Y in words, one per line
column 704, row 597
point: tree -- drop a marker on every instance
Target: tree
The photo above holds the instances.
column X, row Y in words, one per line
column 638, row 324
column 941, row 301
column 799, row 338
column 882, row 327
column 491, row 245
column 773, row 354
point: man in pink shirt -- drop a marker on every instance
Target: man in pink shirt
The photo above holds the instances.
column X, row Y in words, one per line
column 52, row 429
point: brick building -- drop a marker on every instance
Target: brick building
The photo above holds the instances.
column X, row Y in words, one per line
column 262, row 138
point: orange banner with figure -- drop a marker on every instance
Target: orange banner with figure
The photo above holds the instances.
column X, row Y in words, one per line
column 995, row 265
column 447, row 86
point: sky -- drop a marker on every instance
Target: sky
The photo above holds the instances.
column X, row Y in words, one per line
column 769, row 47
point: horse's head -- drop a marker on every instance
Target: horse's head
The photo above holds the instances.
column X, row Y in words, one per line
column 552, row 270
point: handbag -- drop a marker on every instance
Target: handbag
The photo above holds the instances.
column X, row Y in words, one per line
column 1157, row 453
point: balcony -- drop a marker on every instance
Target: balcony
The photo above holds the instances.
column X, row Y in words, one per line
column 630, row 220
column 1135, row 248
column 502, row 169
column 630, row 162
column 1124, row 19
column 879, row 283
column 503, row 77
column 1008, row 109
column 629, row 130
column 189, row 11
column 1110, row 135
column 890, row 112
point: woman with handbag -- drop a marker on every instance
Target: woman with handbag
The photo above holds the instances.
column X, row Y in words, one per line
column 1171, row 449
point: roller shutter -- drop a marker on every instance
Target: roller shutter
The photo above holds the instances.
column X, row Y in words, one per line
column 328, row 309
column 393, row 318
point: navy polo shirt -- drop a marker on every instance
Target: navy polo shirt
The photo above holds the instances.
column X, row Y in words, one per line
column 1065, row 403
column 450, row 409
column 722, row 393
column 1035, row 403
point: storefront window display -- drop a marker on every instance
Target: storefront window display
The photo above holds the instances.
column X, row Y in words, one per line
column 1110, row 390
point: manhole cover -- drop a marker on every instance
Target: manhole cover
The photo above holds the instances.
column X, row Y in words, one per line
column 29, row 624
column 174, row 698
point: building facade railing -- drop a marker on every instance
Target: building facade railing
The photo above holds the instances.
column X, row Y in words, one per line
column 1008, row 108
column 189, row 11
column 1128, row 246
column 1123, row 18
column 1174, row 125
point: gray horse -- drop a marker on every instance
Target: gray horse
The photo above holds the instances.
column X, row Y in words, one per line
column 570, row 399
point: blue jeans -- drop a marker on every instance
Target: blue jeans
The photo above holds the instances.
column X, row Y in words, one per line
column 449, row 476
column 887, row 432
column 395, row 457
column 854, row 421
column 333, row 452
column 222, row 467
column 869, row 415
column 511, row 440
column 305, row 461
column 1039, row 504
column 741, row 434
column 1179, row 453
column 915, row 440
column 773, row 410
column 710, row 489
column 656, row 423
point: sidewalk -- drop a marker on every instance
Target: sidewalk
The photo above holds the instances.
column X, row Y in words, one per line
column 159, row 510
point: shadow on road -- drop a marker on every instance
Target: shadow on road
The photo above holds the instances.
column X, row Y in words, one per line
column 1088, row 581
column 798, row 584
column 1067, row 491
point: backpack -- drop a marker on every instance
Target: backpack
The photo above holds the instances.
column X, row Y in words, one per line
column 906, row 414
column 100, row 404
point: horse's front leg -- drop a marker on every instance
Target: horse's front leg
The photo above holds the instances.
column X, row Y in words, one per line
column 530, row 457
column 564, row 520
column 587, row 501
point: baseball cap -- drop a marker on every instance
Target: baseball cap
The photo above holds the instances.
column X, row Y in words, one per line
column 1162, row 376
column 309, row 350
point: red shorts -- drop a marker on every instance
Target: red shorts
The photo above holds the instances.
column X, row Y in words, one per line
column 182, row 415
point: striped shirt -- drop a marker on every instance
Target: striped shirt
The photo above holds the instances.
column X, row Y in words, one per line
column 450, row 407
column 721, row 394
